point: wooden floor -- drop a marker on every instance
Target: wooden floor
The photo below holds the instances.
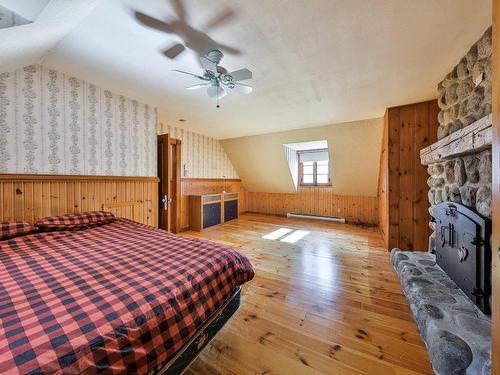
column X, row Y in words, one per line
column 329, row 303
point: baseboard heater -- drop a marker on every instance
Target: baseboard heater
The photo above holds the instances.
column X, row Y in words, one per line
column 335, row 219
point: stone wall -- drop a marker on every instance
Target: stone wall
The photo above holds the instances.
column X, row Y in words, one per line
column 465, row 180
column 464, row 97
column 465, row 92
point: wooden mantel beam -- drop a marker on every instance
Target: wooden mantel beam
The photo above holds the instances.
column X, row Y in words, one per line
column 471, row 139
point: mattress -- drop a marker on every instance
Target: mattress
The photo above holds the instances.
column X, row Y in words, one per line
column 116, row 298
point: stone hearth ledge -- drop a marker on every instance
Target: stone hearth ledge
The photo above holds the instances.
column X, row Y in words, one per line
column 456, row 333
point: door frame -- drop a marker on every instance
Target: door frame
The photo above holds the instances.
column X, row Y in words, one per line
column 174, row 203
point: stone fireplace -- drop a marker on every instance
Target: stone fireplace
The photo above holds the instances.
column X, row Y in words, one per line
column 440, row 284
column 459, row 164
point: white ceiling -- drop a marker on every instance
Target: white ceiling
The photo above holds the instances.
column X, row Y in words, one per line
column 315, row 62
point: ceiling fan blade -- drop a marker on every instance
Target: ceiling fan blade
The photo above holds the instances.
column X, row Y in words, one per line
column 200, row 86
column 174, row 51
column 241, row 75
column 243, row 89
column 179, row 9
column 220, row 19
column 229, row 49
column 208, row 65
column 190, row 74
column 152, row 22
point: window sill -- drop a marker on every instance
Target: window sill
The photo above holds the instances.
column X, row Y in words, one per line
column 315, row 186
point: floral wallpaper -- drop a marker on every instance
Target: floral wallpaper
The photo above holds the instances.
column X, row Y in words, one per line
column 57, row 124
column 202, row 156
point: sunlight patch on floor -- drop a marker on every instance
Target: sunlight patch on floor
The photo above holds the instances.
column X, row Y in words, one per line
column 274, row 235
column 295, row 236
column 286, row 235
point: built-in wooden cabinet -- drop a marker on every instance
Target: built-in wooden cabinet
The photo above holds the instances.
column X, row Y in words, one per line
column 212, row 209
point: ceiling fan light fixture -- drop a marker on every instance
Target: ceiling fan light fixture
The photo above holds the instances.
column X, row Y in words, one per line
column 216, row 92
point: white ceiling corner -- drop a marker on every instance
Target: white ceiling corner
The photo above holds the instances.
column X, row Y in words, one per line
column 53, row 20
column 29, row 9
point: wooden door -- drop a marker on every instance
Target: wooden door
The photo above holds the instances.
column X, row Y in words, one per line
column 169, row 165
column 495, row 279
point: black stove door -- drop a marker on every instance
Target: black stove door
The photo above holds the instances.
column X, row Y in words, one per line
column 456, row 251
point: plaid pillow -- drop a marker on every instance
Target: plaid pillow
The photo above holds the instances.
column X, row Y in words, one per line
column 75, row 221
column 9, row 229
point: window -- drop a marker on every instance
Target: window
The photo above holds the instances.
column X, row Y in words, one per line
column 313, row 172
column 309, row 163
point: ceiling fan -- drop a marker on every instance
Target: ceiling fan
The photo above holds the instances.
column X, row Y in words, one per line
column 217, row 80
column 195, row 39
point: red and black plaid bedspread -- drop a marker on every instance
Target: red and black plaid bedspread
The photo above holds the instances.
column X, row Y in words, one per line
column 120, row 297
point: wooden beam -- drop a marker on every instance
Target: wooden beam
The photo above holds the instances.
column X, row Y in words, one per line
column 471, row 139
column 64, row 177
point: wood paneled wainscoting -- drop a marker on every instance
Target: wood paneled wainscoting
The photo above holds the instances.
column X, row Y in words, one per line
column 316, row 201
column 32, row 197
column 203, row 186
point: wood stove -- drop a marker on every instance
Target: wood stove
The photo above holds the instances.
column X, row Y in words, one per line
column 463, row 250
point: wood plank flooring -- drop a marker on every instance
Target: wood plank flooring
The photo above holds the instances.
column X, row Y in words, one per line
column 330, row 303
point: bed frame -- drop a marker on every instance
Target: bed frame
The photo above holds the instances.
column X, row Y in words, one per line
column 182, row 359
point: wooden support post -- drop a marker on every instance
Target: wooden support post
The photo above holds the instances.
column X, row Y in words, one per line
column 495, row 352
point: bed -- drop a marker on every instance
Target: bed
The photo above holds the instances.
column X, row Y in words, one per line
column 114, row 297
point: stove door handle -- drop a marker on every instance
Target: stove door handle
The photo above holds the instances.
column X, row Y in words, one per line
column 443, row 235
column 451, row 229
column 450, row 234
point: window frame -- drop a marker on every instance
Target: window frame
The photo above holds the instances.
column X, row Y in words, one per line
column 315, row 182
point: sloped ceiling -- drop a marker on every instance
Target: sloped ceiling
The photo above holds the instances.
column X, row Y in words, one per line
column 52, row 21
column 315, row 62
column 354, row 150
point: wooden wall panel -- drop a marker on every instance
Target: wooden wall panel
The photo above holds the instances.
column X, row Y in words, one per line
column 32, row 197
column 383, row 186
column 495, row 352
column 190, row 186
column 316, row 201
column 406, row 176
column 393, row 172
column 405, row 222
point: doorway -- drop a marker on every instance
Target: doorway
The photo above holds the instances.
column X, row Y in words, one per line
column 169, row 173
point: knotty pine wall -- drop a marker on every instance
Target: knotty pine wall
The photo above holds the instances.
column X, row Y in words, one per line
column 383, row 186
column 32, row 197
column 193, row 186
column 403, row 188
column 316, row 201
